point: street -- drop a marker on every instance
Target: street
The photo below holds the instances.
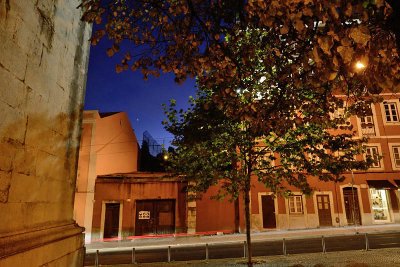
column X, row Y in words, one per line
column 235, row 249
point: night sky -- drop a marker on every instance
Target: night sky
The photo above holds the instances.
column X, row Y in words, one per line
column 108, row 91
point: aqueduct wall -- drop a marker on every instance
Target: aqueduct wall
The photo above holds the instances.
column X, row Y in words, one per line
column 44, row 52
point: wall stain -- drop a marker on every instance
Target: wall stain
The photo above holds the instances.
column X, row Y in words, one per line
column 7, row 7
column 46, row 26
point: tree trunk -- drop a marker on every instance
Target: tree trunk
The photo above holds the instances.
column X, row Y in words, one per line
column 247, row 219
column 237, row 216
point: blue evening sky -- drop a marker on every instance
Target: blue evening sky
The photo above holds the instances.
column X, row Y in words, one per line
column 108, row 91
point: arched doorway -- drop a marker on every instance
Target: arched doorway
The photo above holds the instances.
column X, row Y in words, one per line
column 351, row 205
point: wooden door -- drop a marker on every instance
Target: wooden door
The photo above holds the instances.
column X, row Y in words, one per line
column 155, row 217
column 144, row 223
column 324, row 210
column 268, row 211
column 351, row 206
column 165, row 216
column 111, row 220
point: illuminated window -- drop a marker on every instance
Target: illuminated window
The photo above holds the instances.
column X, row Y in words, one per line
column 396, row 156
column 295, row 205
column 391, row 114
column 372, row 151
column 380, row 206
column 367, row 126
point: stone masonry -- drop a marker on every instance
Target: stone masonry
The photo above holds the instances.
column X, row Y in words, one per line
column 44, row 52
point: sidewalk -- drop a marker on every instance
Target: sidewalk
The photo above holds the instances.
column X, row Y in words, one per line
column 388, row 257
column 192, row 240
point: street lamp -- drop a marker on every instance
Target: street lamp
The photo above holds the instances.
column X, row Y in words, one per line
column 360, row 65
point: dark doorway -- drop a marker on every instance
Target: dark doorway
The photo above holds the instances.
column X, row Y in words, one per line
column 155, row 217
column 111, row 220
column 268, row 211
column 324, row 210
column 351, row 206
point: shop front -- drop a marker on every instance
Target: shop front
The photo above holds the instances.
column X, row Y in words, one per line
column 379, row 191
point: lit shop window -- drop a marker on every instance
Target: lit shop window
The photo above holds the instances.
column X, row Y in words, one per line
column 380, row 207
column 391, row 114
column 295, row 205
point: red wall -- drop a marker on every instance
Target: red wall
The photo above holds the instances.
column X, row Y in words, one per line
column 214, row 215
column 128, row 191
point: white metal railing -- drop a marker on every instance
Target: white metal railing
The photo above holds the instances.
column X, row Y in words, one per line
column 367, row 129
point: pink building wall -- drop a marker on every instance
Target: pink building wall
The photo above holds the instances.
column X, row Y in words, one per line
column 108, row 145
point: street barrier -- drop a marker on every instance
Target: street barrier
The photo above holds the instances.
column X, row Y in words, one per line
column 245, row 248
column 96, row 263
column 366, row 242
column 284, row 247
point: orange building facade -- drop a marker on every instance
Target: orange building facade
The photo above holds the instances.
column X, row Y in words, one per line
column 115, row 201
column 369, row 197
column 136, row 203
column 108, row 145
column 363, row 198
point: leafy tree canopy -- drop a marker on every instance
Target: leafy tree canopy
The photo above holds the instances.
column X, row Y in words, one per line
column 213, row 148
column 269, row 51
column 216, row 149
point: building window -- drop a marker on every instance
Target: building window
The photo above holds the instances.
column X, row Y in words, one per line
column 367, row 126
column 266, row 158
column 341, row 114
column 396, row 156
column 391, row 114
column 295, row 205
column 380, row 208
column 372, row 151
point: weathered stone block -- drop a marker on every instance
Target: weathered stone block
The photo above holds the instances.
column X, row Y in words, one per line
column 39, row 74
column 26, row 188
column 26, row 10
column 12, row 125
column 12, row 217
column 37, row 130
column 12, row 57
column 24, row 161
column 48, row 165
column 12, row 90
column 6, row 156
column 5, row 178
column 36, row 105
column 25, row 33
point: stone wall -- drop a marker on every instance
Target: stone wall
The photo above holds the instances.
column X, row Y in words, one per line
column 44, row 52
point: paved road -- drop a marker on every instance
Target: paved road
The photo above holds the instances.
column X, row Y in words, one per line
column 260, row 248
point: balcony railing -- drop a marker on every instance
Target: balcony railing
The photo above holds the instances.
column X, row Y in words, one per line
column 368, row 129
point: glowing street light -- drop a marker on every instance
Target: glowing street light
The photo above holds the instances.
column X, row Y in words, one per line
column 165, row 157
column 360, row 65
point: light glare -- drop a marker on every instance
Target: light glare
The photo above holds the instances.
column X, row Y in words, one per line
column 359, row 65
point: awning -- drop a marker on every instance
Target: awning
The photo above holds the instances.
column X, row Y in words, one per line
column 397, row 182
column 381, row 184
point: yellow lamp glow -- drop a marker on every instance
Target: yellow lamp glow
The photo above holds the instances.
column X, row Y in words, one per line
column 360, row 65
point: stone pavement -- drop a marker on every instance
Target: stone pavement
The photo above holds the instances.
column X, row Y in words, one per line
column 189, row 240
column 388, row 257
